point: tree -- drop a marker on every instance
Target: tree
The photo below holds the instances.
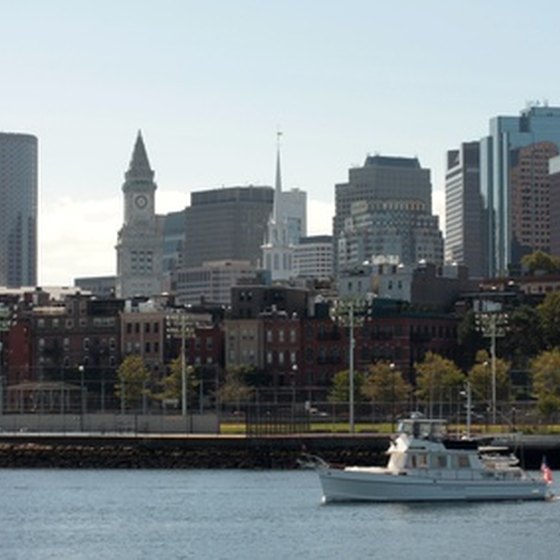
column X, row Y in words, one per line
column 437, row 379
column 385, row 384
column 545, row 374
column 235, row 389
column 539, row 261
column 480, row 378
column 549, row 315
column 524, row 338
column 340, row 387
column 173, row 383
column 133, row 377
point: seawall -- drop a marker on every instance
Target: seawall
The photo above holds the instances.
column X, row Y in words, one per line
column 218, row 452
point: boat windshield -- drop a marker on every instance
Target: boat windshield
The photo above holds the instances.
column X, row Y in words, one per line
column 423, row 429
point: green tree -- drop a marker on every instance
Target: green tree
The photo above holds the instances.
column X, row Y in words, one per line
column 438, row 379
column 545, row 374
column 539, row 261
column 480, row 378
column 340, row 387
column 549, row 315
column 235, row 388
column 524, row 338
column 172, row 384
column 133, row 378
column 385, row 384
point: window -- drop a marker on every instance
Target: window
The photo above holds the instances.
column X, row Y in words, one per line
column 85, row 344
column 147, row 327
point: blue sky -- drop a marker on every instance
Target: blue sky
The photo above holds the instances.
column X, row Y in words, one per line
column 210, row 82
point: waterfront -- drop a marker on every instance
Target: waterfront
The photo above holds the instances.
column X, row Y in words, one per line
column 223, row 514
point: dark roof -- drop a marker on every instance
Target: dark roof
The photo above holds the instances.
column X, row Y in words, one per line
column 392, row 161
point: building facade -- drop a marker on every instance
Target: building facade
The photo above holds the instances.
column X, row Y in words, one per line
column 18, row 209
column 226, row 224
column 385, row 209
column 211, row 282
column 140, row 240
column 465, row 229
column 500, row 156
column 313, row 257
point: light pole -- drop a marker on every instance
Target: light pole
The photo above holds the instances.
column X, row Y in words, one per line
column 492, row 324
column 82, row 399
column 468, row 394
column 350, row 313
column 392, row 368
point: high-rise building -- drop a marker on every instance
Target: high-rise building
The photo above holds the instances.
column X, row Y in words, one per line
column 211, row 282
column 511, row 177
column 173, row 247
column 227, row 224
column 313, row 257
column 18, row 210
column 554, row 197
column 140, row 240
column 465, row 225
column 385, row 209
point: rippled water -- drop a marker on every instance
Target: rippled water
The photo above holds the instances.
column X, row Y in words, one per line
column 77, row 514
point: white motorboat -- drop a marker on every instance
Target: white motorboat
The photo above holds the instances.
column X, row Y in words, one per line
column 423, row 466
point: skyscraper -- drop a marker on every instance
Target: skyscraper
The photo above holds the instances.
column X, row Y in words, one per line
column 385, row 210
column 465, row 225
column 511, row 177
column 226, row 224
column 140, row 240
column 18, row 210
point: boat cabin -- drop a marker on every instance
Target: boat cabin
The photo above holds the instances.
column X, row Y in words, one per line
column 422, row 428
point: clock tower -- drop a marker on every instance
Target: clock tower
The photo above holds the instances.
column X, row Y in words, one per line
column 140, row 242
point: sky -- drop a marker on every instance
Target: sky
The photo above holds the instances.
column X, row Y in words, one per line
column 210, row 83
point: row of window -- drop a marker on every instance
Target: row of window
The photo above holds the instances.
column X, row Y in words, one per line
column 86, row 343
column 148, row 327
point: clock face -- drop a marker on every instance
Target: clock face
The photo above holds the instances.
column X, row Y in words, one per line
column 141, row 201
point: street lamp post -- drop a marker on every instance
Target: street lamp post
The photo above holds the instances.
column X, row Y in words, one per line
column 492, row 324
column 82, row 397
column 350, row 313
column 468, row 394
column 392, row 367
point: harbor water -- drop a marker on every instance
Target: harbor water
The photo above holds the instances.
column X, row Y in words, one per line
column 217, row 514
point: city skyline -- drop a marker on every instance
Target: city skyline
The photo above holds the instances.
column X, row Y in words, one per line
column 209, row 85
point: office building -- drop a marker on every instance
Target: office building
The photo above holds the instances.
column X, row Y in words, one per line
column 385, row 210
column 513, row 184
column 211, row 282
column 227, row 224
column 313, row 257
column 465, row 232
column 18, row 210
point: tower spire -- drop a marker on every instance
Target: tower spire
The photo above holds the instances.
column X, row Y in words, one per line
column 139, row 167
column 278, row 180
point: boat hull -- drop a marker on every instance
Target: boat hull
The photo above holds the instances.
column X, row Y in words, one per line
column 343, row 485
